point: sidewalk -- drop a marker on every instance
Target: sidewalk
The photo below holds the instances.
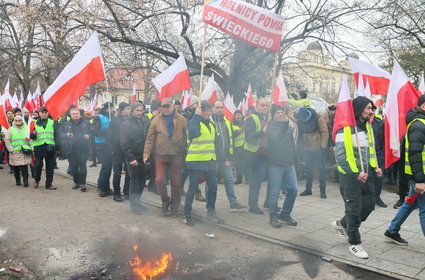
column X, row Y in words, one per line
column 314, row 233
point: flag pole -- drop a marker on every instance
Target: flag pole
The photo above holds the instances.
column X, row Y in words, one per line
column 204, row 42
column 276, row 55
column 359, row 149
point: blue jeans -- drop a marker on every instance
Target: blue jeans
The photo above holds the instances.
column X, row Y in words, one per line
column 257, row 167
column 227, row 174
column 282, row 177
column 194, row 176
column 405, row 210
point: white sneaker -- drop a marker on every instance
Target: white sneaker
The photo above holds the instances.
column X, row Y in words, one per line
column 357, row 250
column 340, row 229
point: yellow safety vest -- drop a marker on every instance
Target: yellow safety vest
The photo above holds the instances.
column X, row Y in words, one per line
column 230, row 131
column 240, row 139
column 18, row 139
column 349, row 149
column 254, row 147
column 407, row 168
column 202, row 148
column 45, row 135
column 149, row 115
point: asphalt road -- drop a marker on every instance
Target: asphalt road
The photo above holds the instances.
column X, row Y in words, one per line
column 67, row 234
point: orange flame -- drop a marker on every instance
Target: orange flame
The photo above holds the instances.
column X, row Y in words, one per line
column 149, row 270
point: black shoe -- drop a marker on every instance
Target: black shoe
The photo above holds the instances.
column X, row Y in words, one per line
column 398, row 204
column 126, row 197
column 256, row 210
column 289, row 221
column 380, row 203
column 323, row 195
column 18, row 183
column 109, row 192
column 164, row 208
column 237, row 182
column 212, row 218
column 396, row 238
column 102, row 194
column 11, row 171
column 83, row 188
column 118, row 198
column 26, row 184
column 1, row 167
column 174, row 213
column 275, row 224
column 188, row 220
column 75, row 186
column 237, row 206
column 306, row 192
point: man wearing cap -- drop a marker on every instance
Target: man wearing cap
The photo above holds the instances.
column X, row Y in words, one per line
column 414, row 169
column 355, row 182
column 166, row 144
column 114, row 136
column 45, row 136
column 133, row 136
column 99, row 128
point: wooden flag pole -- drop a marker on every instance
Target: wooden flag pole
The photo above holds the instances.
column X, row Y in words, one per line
column 204, row 42
column 359, row 148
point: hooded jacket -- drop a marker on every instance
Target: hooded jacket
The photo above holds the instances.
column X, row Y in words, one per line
column 416, row 138
column 313, row 131
column 133, row 136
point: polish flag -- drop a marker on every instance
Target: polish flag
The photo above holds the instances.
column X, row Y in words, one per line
column 134, row 94
column 3, row 119
column 29, row 103
column 367, row 92
column 185, row 100
column 15, row 100
column 172, row 80
column 245, row 106
column 379, row 79
column 229, row 107
column 344, row 115
column 92, row 104
column 360, row 87
column 30, row 126
column 7, row 98
column 37, row 97
column 377, row 100
column 21, row 99
column 85, row 68
column 250, row 99
column 210, row 91
column 280, row 94
column 421, row 87
column 402, row 96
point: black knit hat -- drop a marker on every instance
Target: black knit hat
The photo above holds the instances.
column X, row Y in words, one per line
column 359, row 103
column 421, row 100
column 275, row 108
column 123, row 105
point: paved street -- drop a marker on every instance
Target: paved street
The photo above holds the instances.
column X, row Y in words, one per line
column 314, row 233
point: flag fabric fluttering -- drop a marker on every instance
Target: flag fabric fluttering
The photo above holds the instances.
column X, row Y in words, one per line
column 402, row 96
column 21, row 100
column 379, row 79
column 280, row 93
column 37, row 97
column 3, row 118
column 7, row 98
column 367, row 92
column 30, row 126
column 210, row 91
column 85, row 68
column 29, row 103
column 421, row 86
column 134, row 94
column 172, row 80
column 185, row 100
column 249, row 98
column 229, row 107
column 344, row 115
column 377, row 100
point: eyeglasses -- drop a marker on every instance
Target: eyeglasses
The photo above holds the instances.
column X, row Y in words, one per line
column 166, row 106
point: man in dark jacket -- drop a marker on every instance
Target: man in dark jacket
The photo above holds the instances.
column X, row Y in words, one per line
column 46, row 143
column 414, row 168
column 282, row 156
column 114, row 135
column 378, row 131
column 133, row 136
column 77, row 132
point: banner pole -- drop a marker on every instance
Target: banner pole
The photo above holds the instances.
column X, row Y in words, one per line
column 204, row 42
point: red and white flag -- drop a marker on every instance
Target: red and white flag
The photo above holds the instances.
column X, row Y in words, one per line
column 37, row 97
column 402, row 96
column 185, row 100
column 172, row 80
column 134, row 94
column 3, row 118
column 21, row 100
column 210, row 91
column 344, row 115
column 29, row 103
column 379, row 79
column 249, row 98
column 249, row 23
column 30, row 126
column 421, row 86
column 85, row 68
column 229, row 107
column 377, row 100
column 7, row 98
column 367, row 92
column 93, row 104
column 280, row 94
column 15, row 100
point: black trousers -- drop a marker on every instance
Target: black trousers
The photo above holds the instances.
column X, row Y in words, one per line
column 21, row 169
column 240, row 160
column 78, row 164
column 118, row 166
column 315, row 158
column 137, row 182
column 105, row 155
column 41, row 154
column 359, row 201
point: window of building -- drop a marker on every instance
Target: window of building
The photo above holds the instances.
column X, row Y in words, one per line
column 333, row 85
column 115, row 100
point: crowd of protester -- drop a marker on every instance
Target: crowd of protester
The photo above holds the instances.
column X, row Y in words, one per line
column 168, row 145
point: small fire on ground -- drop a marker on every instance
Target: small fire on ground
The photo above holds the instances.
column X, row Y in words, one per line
column 148, row 270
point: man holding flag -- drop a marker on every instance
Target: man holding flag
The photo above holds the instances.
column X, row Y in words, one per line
column 356, row 158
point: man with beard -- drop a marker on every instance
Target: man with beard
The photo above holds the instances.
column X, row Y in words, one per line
column 356, row 183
